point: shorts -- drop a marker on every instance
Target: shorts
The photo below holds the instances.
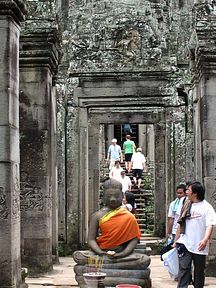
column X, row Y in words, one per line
column 128, row 157
column 137, row 173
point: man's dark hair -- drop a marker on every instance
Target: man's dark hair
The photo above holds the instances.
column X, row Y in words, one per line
column 188, row 183
column 181, row 186
column 197, row 188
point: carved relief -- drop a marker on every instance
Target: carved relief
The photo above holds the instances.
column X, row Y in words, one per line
column 3, row 204
column 125, row 37
column 129, row 44
column 213, row 199
column 204, row 8
column 31, row 196
column 16, row 192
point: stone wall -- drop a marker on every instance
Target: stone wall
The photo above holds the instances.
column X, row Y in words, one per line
column 11, row 15
column 203, row 57
column 39, row 60
column 127, row 35
column 122, row 61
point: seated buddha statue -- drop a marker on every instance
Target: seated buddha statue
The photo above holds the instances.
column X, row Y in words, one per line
column 112, row 238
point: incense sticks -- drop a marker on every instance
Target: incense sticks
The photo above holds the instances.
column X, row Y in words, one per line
column 95, row 263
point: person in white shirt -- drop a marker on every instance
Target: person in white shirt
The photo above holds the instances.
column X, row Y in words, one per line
column 126, row 182
column 115, row 172
column 172, row 213
column 138, row 161
column 193, row 234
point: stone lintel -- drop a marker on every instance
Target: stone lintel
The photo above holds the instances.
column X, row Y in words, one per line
column 205, row 64
column 205, row 54
column 133, row 101
column 118, row 76
column 125, row 97
column 17, row 9
column 117, row 116
column 40, row 48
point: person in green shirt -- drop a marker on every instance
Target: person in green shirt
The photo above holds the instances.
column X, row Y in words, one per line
column 128, row 148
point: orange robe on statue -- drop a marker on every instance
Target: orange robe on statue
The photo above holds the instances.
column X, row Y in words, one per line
column 117, row 227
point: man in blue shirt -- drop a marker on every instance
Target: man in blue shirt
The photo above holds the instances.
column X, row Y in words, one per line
column 114, row 153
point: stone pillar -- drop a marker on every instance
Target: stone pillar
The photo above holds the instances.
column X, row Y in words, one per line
column 53, row 170
column 204, row 106
column 39, row 58
column 61, row 161
column 85, row 198
column 175, row 149
column 204, row 88
column 72, row 175
column 11, row 14
column 94, row 164
column 160, row 191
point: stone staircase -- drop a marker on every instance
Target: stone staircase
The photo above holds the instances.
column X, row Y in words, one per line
column 145, row 205
column 144, row 200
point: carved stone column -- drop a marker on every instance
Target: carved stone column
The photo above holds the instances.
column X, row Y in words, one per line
column 11, row 14
column 204, row 88
column 39, row 58
column 160, row 195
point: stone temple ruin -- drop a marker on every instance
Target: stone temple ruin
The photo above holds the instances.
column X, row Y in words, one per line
column 71, row 71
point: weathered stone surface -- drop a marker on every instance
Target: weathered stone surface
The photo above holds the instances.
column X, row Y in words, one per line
column 113, row 35
column 15, row 8
column 36, row 173
column 124, row 62
column 204, row 101
column 11, row 14
column 73, row 180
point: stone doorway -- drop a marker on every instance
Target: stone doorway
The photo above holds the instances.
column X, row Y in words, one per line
column 143, row 137
column 108, row 99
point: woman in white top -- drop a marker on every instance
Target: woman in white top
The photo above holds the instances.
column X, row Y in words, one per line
column 138, row 161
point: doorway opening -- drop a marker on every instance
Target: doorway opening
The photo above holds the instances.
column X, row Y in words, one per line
column 121, row 130
column 143, row 136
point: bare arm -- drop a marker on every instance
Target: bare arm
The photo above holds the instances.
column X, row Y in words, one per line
column 176, row 236
column 129, row 186
column 93, row 233
column 206, row 238
column 121, row 157
column 128, row 249
column 111, row 174
column 169, row 226
column 144, row 167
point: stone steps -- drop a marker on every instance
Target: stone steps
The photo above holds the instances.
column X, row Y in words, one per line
column 145, row 202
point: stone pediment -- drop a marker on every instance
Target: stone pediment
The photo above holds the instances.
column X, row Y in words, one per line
column 119, row 36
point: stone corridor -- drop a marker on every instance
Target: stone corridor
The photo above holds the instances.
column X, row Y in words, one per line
column 70, row 71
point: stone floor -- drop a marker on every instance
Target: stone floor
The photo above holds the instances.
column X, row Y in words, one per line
column 63, row 276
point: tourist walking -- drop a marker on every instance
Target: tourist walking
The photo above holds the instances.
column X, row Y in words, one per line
column 129, row 202
column 128, row 150
column 126, row 182
column 138, row 161
column 115, row 172
column 127, row 129
column 193, row 234
column 172, row 212
column 114, row 153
